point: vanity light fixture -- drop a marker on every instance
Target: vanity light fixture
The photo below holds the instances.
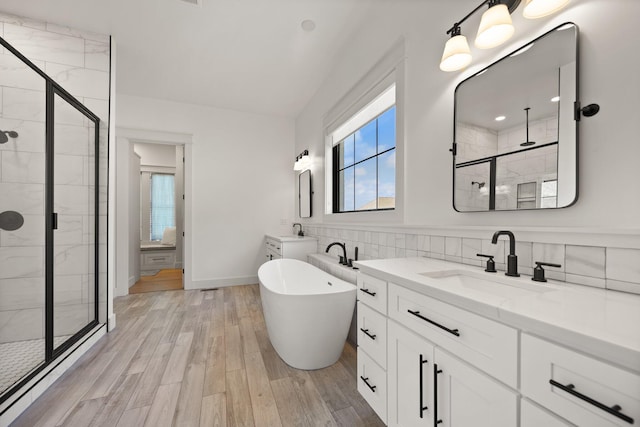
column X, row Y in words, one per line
column 496, row 27
column 534, row 9
column 303, row 161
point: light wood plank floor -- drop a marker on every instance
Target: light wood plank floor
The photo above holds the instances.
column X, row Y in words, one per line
column 192, row 358
column 165, row 280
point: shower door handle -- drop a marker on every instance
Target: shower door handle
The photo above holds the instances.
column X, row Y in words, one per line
column 11, row 220
column 54, row 221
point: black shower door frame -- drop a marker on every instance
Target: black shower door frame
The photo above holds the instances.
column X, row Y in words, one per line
column 51, row 353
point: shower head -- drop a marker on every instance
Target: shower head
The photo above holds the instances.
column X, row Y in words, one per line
column 7, row 133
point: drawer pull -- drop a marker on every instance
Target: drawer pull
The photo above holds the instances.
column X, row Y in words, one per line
column 366, row 381
column 422, row 408
column 451, row 331
column 613, row 410
column 366, row 332
column 157, row 259
column 367, row 291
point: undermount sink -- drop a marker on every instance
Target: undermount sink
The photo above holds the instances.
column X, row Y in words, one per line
column 495, row 284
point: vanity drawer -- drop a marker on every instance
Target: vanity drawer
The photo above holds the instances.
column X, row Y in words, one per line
column 486, row 344
column 533, row 416
column 372, row 384
column 273, row 246
column 578, row 387
column 372, row 292
column 372, row 334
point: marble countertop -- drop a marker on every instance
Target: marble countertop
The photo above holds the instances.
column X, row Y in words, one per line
column 603, row 323
column 291, row 238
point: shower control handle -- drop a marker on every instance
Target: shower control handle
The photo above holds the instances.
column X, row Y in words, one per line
column 11, row 220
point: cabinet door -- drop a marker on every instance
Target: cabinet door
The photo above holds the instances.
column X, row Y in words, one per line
column 466, row 397
column 410, row 377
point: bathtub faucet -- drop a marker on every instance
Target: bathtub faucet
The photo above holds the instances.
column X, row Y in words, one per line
column 343, row 257
column 300, row 233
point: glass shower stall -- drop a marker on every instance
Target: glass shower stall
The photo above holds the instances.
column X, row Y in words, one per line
column 49, row 208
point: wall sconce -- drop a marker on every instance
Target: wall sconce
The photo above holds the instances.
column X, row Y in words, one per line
column 495, row 28
column 303, row 161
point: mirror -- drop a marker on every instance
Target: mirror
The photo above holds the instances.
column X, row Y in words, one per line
column 515, row 136
column 304, row 194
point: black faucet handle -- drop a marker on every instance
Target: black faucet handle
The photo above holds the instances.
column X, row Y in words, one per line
column 538, row 271
column 491, row 264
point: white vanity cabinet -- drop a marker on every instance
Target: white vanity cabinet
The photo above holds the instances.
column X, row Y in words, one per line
column 372, row 342
column 428, row 387
column 465, row 356
column 289, row 247
column 579, row 388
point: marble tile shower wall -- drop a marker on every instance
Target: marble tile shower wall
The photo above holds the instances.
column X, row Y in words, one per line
column 601, row 267
column 79, row 61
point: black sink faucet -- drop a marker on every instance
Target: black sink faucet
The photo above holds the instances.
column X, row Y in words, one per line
column 343, row 258
column 512, row 259
column 300, row 233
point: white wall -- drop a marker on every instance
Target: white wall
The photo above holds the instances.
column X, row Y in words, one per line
column 156, row 154
column 241, row 182
column 608, row 196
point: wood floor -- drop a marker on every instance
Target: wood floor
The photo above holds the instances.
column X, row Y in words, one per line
column 192, row 358
column 164, row 280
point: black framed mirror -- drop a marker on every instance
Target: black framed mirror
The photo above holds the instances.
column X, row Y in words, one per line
column 515, row 129
column 304, row 194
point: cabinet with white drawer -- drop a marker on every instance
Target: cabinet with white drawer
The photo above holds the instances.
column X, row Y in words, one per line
column 581, row 389
column 289, row 247
column 372, row 342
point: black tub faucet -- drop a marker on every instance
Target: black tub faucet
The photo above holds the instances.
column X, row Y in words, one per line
column 343, row 257
column 300, row 233
column 512, row 259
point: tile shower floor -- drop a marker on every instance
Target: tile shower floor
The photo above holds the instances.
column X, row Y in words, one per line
column 19, row 358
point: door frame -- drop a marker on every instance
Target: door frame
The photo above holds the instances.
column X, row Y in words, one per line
column 125, row 138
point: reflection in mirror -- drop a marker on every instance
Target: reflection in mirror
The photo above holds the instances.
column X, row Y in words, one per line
column 304, row 194
column 515, row 133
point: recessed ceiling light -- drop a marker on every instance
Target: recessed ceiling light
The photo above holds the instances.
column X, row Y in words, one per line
column 555, row 99
column 308, row 25
column 500, row 118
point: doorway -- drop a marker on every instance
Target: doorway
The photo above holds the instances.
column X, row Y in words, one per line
column 156, row 216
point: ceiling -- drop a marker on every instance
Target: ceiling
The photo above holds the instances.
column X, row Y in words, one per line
column 247, row 55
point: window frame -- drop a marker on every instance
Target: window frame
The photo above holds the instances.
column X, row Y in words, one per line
column 389, row 70
column 336, row 167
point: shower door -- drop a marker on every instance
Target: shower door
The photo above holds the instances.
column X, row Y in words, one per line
column 48, row 220
column 72, row 196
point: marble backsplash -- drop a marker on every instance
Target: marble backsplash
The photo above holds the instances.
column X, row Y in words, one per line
column 611, row 268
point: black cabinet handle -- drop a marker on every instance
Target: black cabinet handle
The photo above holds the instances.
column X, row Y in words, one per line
column 451, row 331
column 613, row 410
column 422, row 408
column 366, row 332
column 436, row 371
column 54, row 221
column 366, row 381
column 367, row 291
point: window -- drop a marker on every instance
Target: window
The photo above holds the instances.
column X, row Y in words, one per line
column 162, row 206
column 364, row 161
column 549, row 194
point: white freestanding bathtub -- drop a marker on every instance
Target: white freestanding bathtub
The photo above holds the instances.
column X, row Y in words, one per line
column 307, row 312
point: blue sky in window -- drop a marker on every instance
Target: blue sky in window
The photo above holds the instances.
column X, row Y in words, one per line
column 365, row 139
column 347, row 151
column 387, row 174
column 387, row 130
column 365, row 186
column 347, row 184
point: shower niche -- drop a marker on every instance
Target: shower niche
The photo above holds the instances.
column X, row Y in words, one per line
column 50, row 172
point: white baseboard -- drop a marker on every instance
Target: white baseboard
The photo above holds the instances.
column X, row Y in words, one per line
column 132, row 281
column 223, row 282
column 111, row 322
